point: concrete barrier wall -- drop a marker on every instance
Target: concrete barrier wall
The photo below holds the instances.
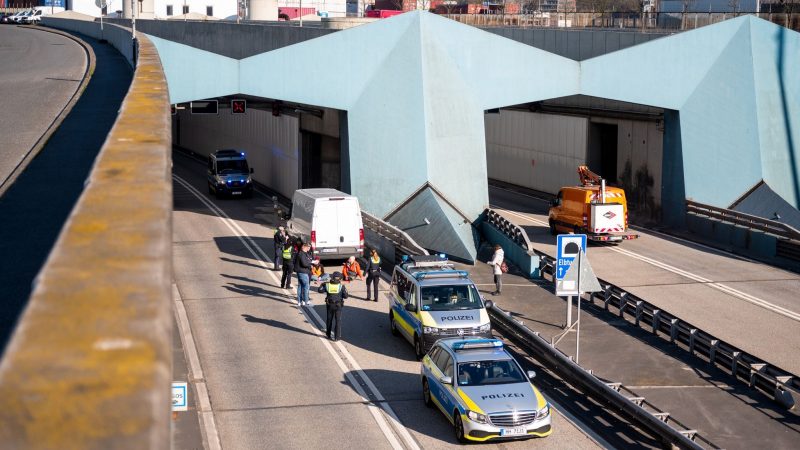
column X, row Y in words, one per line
column 527, row 262
column 739, row 239
column 116, row 35
column 89, row 364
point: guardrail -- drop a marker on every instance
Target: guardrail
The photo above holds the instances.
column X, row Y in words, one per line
column 512, row 231
column 754, row 222
column 89, row 365
column 757, row 374
column 402, row 242
column 584, row 381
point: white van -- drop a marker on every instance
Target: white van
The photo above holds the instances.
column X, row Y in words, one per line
column 330, row 220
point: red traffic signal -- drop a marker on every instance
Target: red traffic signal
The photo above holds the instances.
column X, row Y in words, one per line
column 238, row 106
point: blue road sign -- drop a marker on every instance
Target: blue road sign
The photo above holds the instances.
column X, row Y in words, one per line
column 568, row 248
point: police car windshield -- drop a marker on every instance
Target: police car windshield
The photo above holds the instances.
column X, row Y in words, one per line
column 448, row 298
column 232, row 166
column 482, row 373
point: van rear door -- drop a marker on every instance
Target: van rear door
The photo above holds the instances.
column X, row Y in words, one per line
column 349, row 222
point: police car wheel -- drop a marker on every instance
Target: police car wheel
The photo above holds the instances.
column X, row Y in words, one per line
column 418, row 351
column 393, row 325
column 459, row 426
column 426, row 394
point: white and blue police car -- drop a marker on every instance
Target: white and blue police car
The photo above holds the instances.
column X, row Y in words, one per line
column 483, row 391
column 429, row 300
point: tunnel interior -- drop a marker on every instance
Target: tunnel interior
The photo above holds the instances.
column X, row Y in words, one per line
column 539, row 145
column 289, row 145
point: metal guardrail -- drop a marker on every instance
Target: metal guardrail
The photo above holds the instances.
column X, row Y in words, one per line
column 770, row 380
column 404, row 244
column 739, row 218
column 512, row 231
column 607, row 394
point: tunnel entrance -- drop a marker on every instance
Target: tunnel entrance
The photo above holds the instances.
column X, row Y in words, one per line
column 539, row 145
column 290, row 146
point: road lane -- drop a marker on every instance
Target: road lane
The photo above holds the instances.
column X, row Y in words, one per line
column 268, row 372
column 752, row 305
column 40, row 72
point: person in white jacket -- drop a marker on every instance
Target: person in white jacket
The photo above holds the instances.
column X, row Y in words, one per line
column 496, row 262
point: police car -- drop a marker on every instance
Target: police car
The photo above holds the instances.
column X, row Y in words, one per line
column 430, row 300
column 483, row 391
column 229, row 173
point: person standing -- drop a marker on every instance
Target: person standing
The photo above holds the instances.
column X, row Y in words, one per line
column 334, row 302
column 496, row 262
column 373, row 270
column 287, row 264
column 278, row 240
column 302, row 265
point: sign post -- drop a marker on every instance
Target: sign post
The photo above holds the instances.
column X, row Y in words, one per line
column 569, row 246
column 581, row 274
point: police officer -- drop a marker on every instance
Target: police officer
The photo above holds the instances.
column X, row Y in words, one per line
column 334, row 301
column 373, row 273
column 278, row 239
column 287, row 255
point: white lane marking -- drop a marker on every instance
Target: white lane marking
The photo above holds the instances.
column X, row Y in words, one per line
column 205, row 413
column 262, row 260
column 710, row 283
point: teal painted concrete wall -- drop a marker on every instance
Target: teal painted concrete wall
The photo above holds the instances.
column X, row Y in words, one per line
column 415, row 88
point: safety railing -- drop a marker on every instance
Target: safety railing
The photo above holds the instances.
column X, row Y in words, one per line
column 773, row 381
column 747, row 220
column 89, row 365
column 403, row 243
column 511, row 230
column 656, row 424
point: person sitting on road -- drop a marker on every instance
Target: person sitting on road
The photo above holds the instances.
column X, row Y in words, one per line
column 351, row 269
column 318, row 272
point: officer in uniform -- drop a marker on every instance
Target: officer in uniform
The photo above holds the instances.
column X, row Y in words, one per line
column 287, row 254
column 334, row 301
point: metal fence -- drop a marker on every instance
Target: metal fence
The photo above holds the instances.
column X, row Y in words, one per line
column 652, row 21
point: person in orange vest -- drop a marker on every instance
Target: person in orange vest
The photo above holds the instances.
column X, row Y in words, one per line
column 373, row 270
column 351, row 269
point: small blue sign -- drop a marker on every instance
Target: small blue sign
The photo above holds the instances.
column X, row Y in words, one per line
column 56, row 3
column 568, row 248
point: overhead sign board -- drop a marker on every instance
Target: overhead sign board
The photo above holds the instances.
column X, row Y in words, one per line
column 179, row 396
column 569, row 246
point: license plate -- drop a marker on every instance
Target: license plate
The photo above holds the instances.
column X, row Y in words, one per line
column 236, row 193
column 328, row 250
column 512, row 431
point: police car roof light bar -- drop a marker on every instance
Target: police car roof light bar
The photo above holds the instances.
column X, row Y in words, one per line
column 441, row 274
column 478, row 343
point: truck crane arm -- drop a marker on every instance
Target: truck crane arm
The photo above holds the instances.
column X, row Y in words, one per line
column 587, row 177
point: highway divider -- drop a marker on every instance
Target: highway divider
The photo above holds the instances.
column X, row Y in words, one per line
column 89, row 364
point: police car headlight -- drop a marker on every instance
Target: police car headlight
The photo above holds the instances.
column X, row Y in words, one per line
column 431, row 330
column 542, row 413
column 249, row 181
column 485, row 328
column 476, row 417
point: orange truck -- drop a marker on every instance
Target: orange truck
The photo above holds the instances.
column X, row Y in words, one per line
column 593, row 209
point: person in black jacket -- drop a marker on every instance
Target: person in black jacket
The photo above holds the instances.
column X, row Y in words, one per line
column 334, row 302
column 287, row 255
column 373, row 273
column 278, row 240
column 302, row 265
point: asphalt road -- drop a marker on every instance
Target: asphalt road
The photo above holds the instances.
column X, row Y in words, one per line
column 35, row 207
column 751, row 305
column 40, row 72
column 272, row 379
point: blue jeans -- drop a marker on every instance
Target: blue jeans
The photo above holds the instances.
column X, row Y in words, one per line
column 302, row 287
